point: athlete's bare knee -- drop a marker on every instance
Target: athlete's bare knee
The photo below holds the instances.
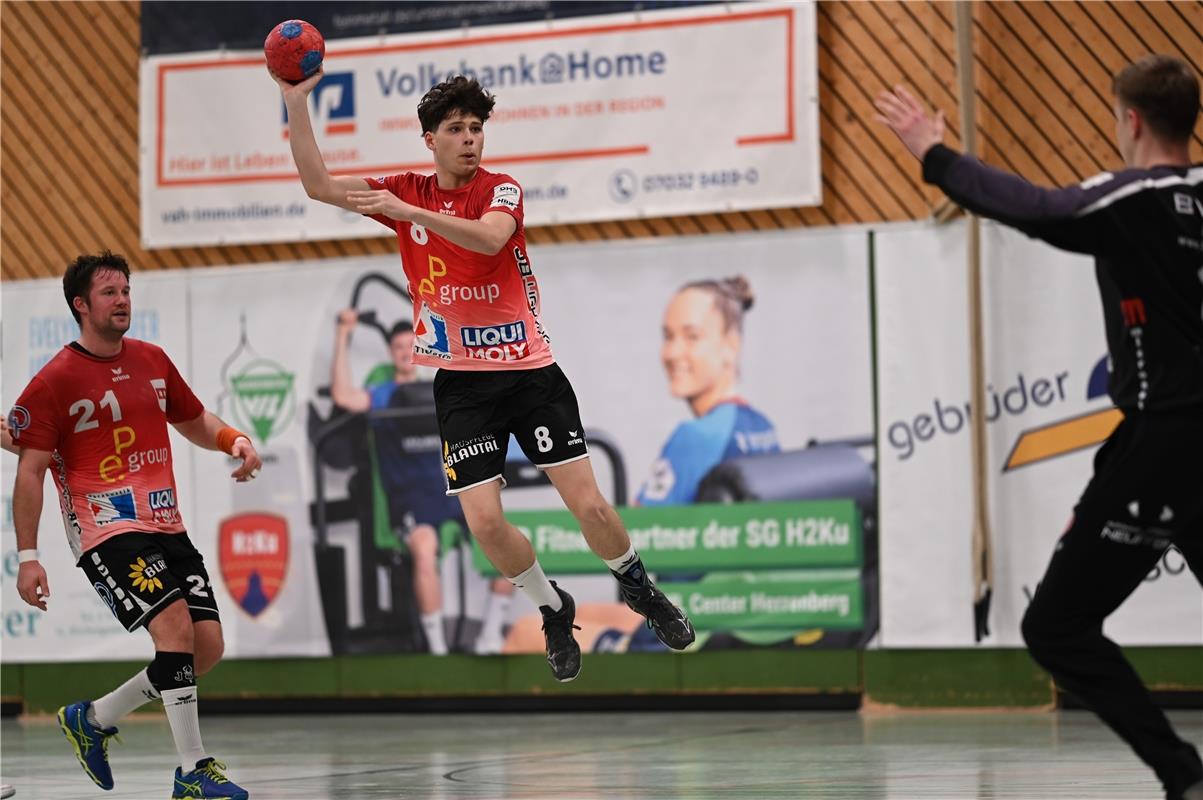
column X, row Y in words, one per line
column 171, row 629
column 210, row 646
column 593, row 510
column 489, row 527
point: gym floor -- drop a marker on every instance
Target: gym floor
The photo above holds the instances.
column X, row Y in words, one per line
column 699, row 755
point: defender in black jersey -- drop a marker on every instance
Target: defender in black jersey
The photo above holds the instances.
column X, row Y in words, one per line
column 1144, row 226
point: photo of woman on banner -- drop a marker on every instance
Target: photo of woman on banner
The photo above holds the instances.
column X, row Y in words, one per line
column 703, row 334
column 702, row 339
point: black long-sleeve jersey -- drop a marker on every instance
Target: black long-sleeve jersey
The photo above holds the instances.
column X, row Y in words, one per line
column 1144, row 228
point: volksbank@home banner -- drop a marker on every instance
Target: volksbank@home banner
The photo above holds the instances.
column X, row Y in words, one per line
column 1047, row 411
column 672, row 111
column 757, row 512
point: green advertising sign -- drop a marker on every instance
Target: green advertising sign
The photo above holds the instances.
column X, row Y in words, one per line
column 828, row 599
column 702, row 538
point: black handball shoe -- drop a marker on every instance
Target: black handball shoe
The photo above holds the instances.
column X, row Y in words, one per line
column 563, row 653
column 668, row 622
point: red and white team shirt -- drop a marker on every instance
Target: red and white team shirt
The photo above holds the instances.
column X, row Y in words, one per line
column 471, row 311
column 105, row 420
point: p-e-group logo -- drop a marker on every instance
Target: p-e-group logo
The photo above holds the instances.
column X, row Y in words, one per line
column 333, row 104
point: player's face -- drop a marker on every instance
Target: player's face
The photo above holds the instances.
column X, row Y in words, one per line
column 402, row 349
column 698, row 355
column 457, row 143
column 107, row 310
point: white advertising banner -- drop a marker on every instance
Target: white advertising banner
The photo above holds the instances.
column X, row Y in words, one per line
column 676, row 111
column 1047, row 410
column 256, row 345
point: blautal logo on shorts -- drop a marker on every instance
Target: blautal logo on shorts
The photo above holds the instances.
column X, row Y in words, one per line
column 253, row 555
column 146, row 575
column 466, row 449
column 496, row 342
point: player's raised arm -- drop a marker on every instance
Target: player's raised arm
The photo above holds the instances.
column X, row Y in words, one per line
column 319, row 183
column 486, row 235
column 27, row 511
column 1071, row 217
column 343, row 391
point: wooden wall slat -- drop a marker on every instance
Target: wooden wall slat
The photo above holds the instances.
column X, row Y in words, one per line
column 69, row 125
column 854, row 136
column 1053, row 134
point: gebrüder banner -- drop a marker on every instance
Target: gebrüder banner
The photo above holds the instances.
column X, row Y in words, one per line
column 1047, row 411
column 607, row 117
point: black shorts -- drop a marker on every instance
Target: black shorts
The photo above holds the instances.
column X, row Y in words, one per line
column 138, row 575
column 1143, row 498
column 1147, row 488
column 479, row 410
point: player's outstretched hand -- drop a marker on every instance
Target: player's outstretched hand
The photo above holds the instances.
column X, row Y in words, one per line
column 379, row 201
column 251, row 463
column 302, row 89
column 907, row 117
column 32, row 584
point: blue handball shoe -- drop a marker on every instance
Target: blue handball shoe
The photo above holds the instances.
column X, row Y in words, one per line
column 91, row 743
column 207, row 782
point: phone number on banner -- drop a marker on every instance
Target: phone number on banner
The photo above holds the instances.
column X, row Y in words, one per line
column 626, row 184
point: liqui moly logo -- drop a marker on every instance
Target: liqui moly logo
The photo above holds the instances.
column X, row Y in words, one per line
column 496, row 342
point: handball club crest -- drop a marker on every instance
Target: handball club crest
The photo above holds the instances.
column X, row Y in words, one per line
column 253, row 553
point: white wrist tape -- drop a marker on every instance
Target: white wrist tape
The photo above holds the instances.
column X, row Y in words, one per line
column 26, row 555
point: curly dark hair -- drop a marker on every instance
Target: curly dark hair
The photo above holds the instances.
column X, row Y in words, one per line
column 461, row 94
column 77, row 280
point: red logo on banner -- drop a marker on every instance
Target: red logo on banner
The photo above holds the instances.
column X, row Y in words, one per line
column 253, row 552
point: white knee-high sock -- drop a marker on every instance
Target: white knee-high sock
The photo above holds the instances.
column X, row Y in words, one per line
column 432, row 623
column 135, row 692
column 537, row 587
column 180, row 705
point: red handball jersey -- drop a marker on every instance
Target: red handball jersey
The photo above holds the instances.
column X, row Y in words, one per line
column 471, row 311
column 105, row 420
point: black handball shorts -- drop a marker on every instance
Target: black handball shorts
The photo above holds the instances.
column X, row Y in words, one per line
column 479, row 410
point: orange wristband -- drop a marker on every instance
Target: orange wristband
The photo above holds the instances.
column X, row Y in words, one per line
column 226, row 437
